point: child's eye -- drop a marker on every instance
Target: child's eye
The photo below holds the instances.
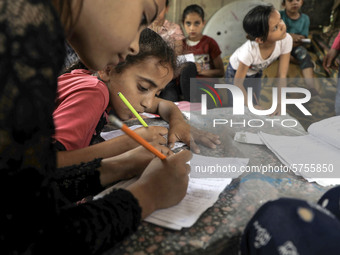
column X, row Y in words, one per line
column 187, row 23
column 197, row 23
column 275, row 28
column 144, row 21
column 141, row 88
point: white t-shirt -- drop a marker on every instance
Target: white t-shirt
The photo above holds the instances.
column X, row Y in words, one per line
column 249, row 54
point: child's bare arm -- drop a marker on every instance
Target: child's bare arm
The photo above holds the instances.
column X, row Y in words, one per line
column 111, row 147
column 283, row 66
column 282, row 75
column 239, row 79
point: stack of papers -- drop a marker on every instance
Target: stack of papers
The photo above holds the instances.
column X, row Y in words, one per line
column 315, row 156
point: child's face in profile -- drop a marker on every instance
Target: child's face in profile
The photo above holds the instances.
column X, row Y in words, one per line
column 193, row 25
column 293, row 6
column 139, row 83
column 277, row 28
column 115, row 33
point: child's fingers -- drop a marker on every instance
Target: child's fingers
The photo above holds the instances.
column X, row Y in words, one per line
column 215, row 139
column 172, row 138
column 193, row 146
column 207, row 138
column 161, row 130
column 206, row 141
column 165, row 150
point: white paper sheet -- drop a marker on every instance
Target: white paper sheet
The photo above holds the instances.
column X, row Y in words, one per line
column 247, row 137
column 186, row 58
column 313, row 158
column 327, row 130
column 115, row 133
column 202, row 193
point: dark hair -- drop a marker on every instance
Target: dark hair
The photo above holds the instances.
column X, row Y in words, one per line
column 166, row 3
column 193, row 8
column 256, row 22
column 69, row 19
column 151, row 44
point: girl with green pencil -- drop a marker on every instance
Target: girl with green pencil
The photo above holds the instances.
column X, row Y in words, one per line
column 84, row 99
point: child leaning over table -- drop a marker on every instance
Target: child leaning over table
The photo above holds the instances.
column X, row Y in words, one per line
column 267, row 41
column 298, row 27
column 84, row 100
column 38, row 212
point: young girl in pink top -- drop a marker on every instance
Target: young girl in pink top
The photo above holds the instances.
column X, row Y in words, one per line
column 84, row 100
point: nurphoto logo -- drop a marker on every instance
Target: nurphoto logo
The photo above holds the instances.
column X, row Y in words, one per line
column 238, row 100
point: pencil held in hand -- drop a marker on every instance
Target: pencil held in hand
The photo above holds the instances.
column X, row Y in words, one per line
column 127, row 103
column 114, row 120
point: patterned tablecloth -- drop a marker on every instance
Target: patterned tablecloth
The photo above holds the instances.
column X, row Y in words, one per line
column 219, row 229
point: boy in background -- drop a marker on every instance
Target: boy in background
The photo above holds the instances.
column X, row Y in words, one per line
column 297, row 24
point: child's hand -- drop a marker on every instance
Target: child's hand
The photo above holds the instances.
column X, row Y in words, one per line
column 277, row 111
column 163, row 183
column 258, row 107
column 129, row 164
column 203, row 137
column 328, row 60
column 297, row 38
column 141, row 157
column 198, row 67
column 153, row 134
column 182, row 131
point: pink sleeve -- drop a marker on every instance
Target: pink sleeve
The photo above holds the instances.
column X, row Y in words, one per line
column 76, row 119
column 336, row 43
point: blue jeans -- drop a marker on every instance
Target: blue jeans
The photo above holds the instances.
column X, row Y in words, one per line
column 253, row 81
column 304, row 61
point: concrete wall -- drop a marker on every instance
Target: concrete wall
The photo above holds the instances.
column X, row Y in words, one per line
column 209, row 6
column 318, row 11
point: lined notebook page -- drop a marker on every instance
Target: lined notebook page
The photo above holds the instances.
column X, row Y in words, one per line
column 202, row 193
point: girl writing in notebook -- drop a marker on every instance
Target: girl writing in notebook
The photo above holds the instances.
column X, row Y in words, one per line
column 38, row 211
column 267, row 41
column 84, row 100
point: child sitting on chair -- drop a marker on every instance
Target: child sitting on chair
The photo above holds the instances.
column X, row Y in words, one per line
column 206, row 51
column 298, row 27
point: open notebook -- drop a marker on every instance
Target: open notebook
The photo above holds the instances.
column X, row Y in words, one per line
column 202, row 193
column 315, row 156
